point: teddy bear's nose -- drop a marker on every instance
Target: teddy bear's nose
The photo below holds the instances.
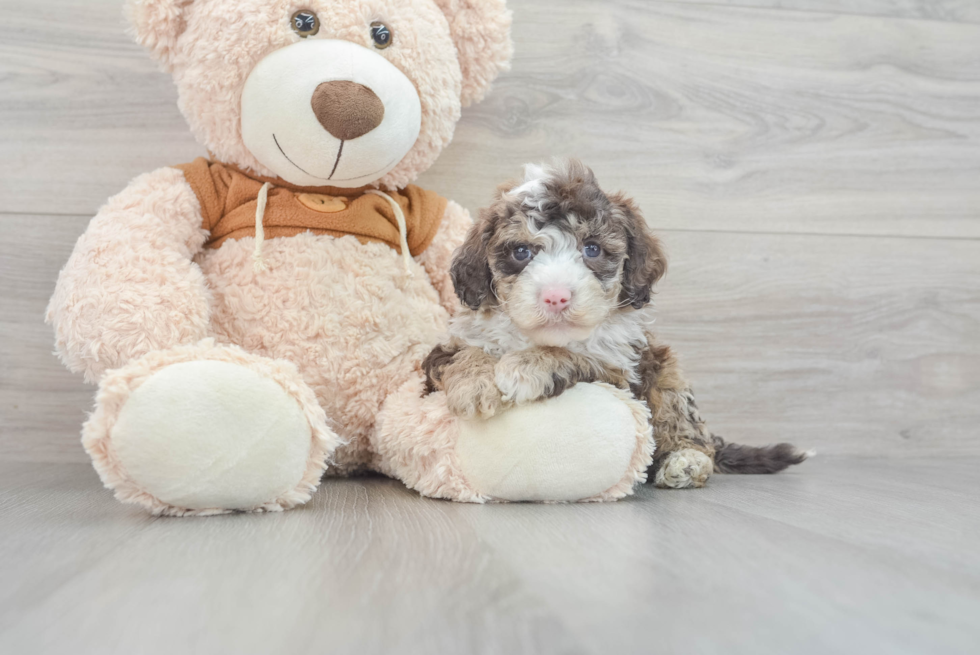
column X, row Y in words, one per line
column 347, row 109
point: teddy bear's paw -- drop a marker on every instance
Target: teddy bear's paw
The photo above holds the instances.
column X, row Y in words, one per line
column 591, row 443
column 232, row 433
column 520, row 381
column 476, row 397
column 684, row 468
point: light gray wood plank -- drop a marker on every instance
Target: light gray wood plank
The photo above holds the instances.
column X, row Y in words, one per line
column 715, row 117
column 849, row 345
column 956, row 11
column 368, row 567
column 843, row 344
column 925, row 511
column 734, row 119
column 84, row 109
column 42, row 405
column 56, row 522
column 705, row 573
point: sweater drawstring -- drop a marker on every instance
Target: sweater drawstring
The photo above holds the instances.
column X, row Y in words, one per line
column 258, row 264
column 402, row 228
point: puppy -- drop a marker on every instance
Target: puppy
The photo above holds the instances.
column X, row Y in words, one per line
column 556, row 279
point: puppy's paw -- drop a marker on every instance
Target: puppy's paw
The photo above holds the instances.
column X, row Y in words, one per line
column 521, row 381
column 684, row 468
column 473, row 398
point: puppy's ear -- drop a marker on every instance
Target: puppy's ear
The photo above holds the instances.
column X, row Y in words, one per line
column 646, row 262
column 470, row 271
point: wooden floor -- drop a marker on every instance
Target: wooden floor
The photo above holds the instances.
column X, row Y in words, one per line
column 844, row 555
column 813, row 167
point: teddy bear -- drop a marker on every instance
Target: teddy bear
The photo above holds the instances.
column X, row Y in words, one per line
column 257, row 319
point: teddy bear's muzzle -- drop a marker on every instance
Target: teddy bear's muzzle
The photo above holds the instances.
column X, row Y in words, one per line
column 329, row 112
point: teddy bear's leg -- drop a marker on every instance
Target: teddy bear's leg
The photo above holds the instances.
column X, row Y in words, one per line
column 208, row 429
column 591, row 443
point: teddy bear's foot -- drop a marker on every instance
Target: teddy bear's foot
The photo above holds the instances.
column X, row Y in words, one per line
column 591, row 443
column 684, row 468
column 205, row 429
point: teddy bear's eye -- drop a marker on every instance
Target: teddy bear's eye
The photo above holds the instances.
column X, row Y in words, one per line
column 381, row 35
column 305, row 23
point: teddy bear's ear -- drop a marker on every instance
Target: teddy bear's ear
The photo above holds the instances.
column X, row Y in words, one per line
column 157, row 24
column 481, row 32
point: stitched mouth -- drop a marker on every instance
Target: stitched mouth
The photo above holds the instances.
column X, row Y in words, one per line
column 340, row 152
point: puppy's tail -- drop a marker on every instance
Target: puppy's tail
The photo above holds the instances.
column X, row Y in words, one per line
column 736, row 458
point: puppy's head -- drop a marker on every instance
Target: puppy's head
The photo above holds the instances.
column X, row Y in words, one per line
column 558, row 255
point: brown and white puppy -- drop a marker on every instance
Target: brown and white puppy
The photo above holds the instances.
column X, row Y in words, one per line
column 556, row 279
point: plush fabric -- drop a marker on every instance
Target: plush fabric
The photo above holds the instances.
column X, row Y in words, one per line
column 416, row 443
column 130, row 286
column 346, row 313
column 574, row 447
column 223, row 471
column 593, row 443
column 480, row 31
column 228, row 199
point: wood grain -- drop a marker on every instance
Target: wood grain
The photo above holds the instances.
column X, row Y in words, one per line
column 42, row 405
column 955, row 11
column 735, row 119
column 844, row 344
column 708, row 573
column 84, row 108
column 715, row 117
column 767, row 564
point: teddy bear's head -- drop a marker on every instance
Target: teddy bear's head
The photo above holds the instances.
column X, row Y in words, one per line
column 339, row 93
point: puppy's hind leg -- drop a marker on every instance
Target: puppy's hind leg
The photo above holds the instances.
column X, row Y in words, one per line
column 685, row 451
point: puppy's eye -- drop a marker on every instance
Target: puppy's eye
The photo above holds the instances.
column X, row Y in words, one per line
column 522, row 253
column 381, row 35
column 305, row 23
column 591, row 251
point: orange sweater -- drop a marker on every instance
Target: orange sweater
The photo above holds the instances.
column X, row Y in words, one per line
column 229, row 198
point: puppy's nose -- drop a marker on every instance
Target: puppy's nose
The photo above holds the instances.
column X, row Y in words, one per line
column 347, row 109
column 556, row 299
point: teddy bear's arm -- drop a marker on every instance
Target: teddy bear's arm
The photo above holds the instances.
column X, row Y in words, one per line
column 130, row 285
column 438, row 257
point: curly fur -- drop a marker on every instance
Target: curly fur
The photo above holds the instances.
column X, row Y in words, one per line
column 105, row 310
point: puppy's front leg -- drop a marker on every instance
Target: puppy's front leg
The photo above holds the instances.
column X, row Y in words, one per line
column 528, row 375
column 466, row 374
